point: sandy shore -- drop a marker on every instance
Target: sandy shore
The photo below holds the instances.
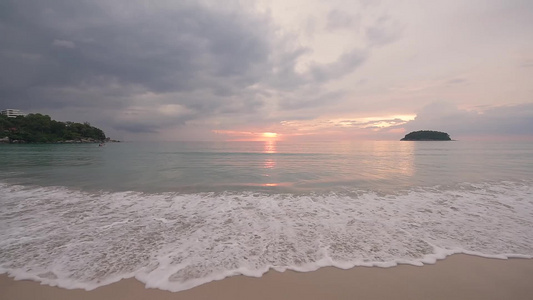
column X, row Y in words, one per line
column 456, row 277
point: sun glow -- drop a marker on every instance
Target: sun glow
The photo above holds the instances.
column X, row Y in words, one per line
column 270, row 134
column 235, row 135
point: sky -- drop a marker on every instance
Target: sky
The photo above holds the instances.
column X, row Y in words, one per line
column 272, row 69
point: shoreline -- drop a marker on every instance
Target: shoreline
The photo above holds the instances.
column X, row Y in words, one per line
column 459, row 276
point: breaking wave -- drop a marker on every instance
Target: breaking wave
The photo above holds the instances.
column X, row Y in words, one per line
column 173, row 241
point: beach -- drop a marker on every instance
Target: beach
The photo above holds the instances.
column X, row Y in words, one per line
column 456, row 277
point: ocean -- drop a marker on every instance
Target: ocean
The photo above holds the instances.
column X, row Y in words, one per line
column 177, row 215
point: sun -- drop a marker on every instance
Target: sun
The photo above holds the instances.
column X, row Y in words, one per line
column 270, row 135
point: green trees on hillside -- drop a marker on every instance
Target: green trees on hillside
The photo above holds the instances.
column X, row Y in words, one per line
column 38, row 128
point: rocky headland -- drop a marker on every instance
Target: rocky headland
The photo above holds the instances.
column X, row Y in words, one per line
column 38, row 128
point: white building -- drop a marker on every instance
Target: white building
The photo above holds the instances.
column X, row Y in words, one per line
column 11, row 113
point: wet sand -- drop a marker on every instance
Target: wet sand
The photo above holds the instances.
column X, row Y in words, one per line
column 456, row 277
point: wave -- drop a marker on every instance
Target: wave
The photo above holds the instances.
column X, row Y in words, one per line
column 75, row 239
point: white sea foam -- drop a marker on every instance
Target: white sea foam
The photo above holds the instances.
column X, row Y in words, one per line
column 176, row 241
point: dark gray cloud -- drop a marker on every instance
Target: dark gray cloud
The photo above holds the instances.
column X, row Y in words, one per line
column 179, row 49
column 115, row 55
column 54, row 49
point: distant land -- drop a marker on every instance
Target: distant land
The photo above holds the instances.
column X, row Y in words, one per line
column 38, row 128
column 426, row 135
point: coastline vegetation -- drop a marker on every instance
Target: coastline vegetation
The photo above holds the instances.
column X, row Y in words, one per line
column 427, row 135
column 39, row 128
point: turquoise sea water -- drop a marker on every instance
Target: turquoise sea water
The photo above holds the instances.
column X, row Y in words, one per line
column 175, row 215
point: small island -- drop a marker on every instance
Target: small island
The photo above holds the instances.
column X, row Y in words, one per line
column 38, row 128
column 426, row 135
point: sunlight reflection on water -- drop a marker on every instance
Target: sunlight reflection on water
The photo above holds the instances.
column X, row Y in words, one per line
column 225, row 166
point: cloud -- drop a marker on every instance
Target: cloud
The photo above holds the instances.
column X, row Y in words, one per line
column 337, row 19
column 184, row 47
column 456, row 81
column 137, row 127
column 506, row 120
column 311, row 100
column 346, row 63
column 385, row 31
column 528, row 63
column 209, row 59
column 372, row 127
column 63, row 43
column 167, row 66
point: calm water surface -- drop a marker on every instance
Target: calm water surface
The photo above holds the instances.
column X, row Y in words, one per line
column 263, row 166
